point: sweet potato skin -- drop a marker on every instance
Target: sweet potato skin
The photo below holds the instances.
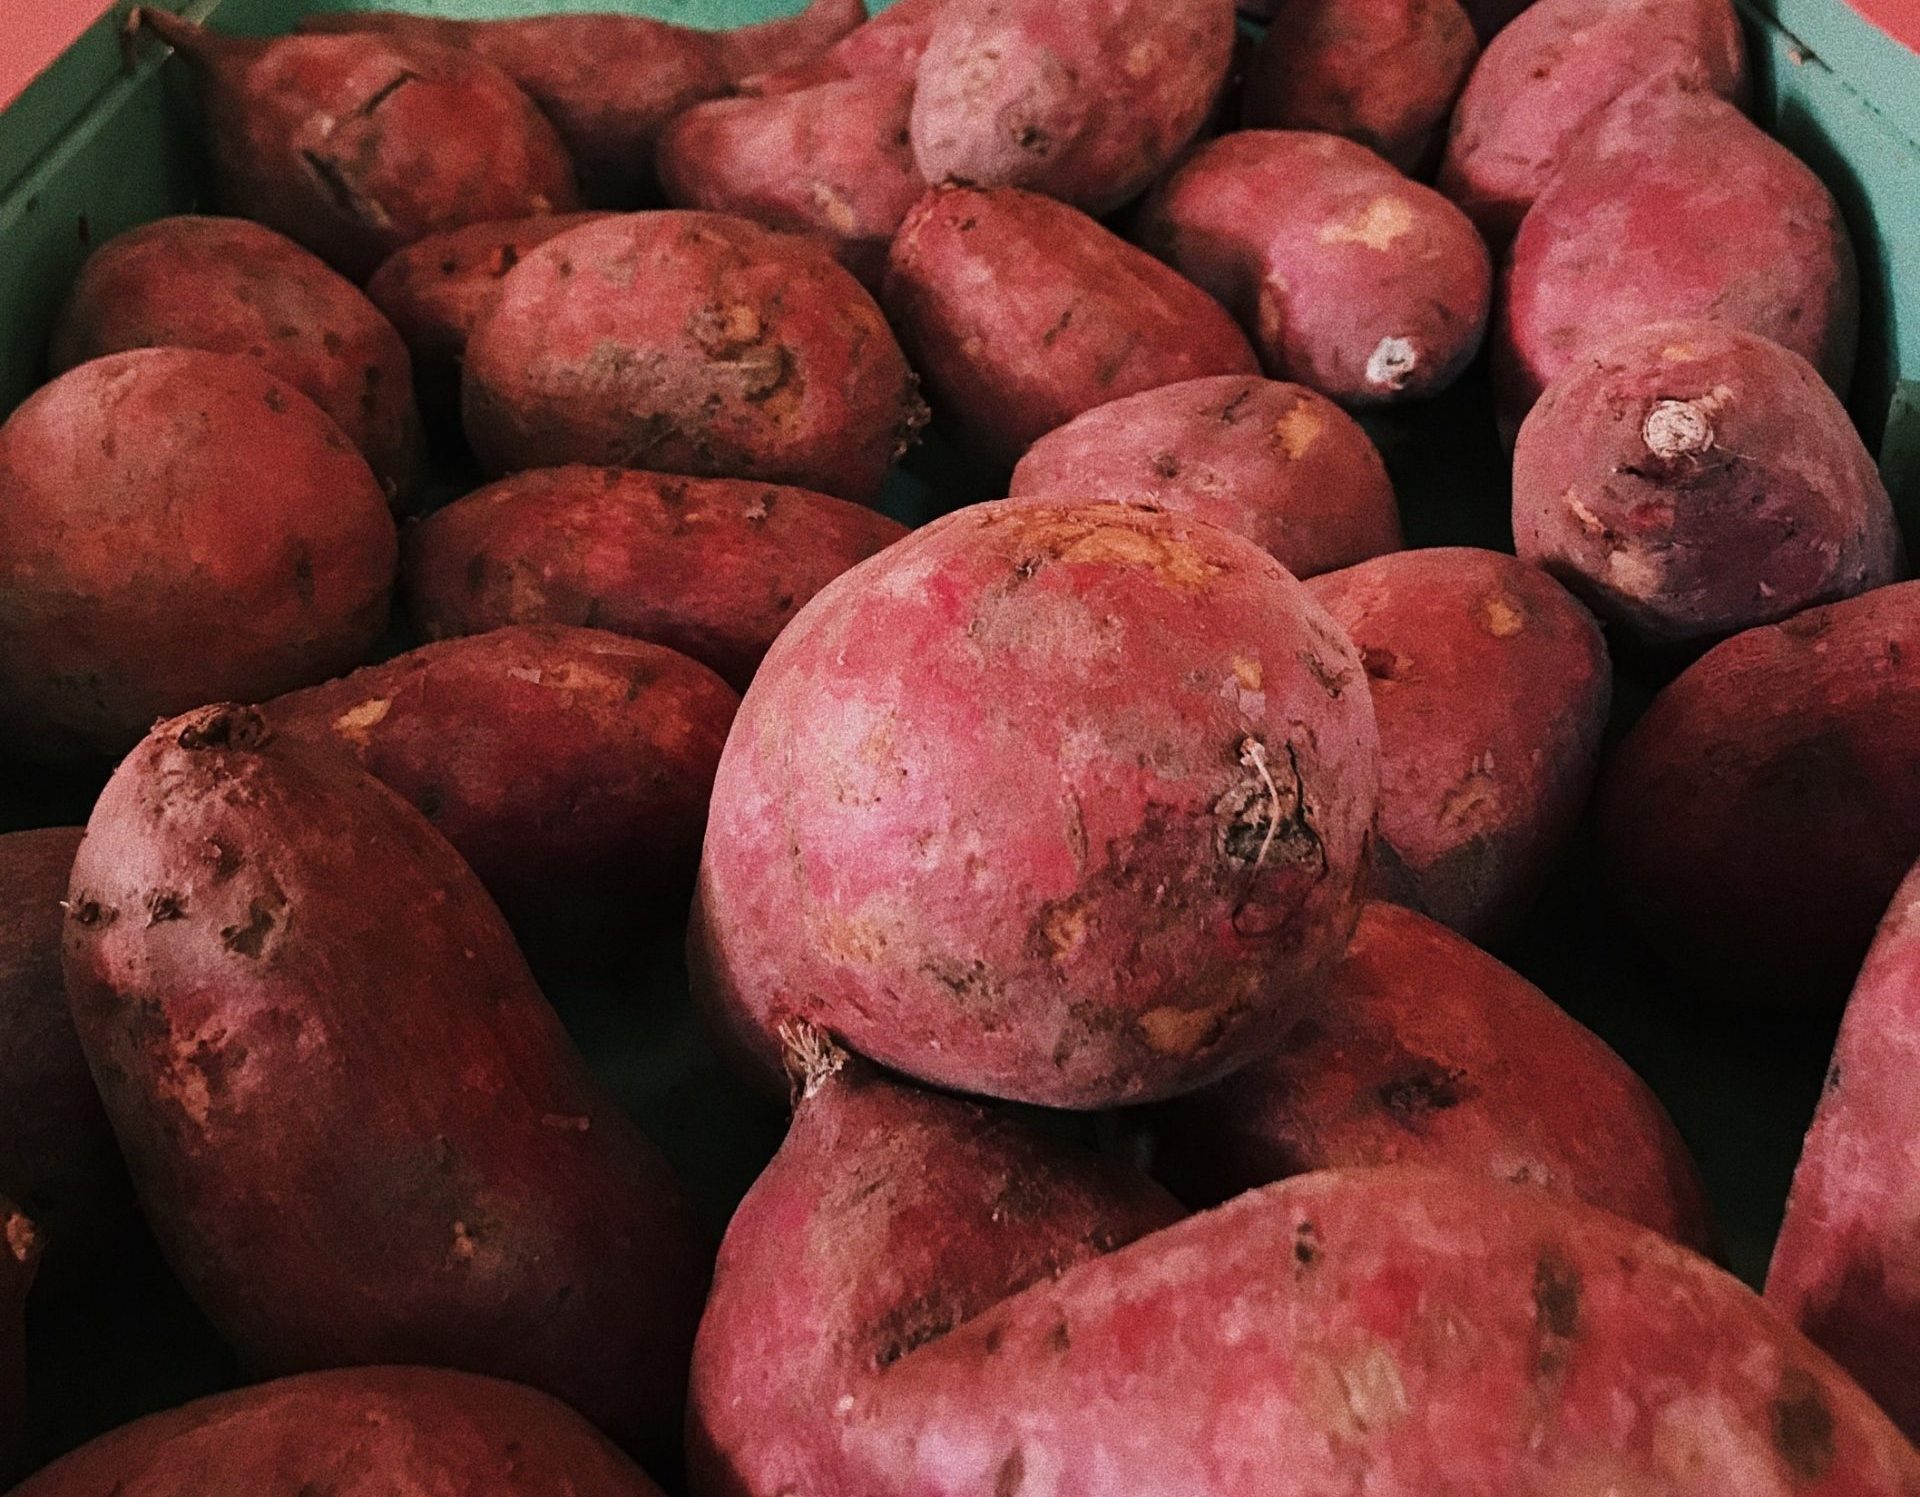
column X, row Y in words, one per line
column 569, row 767
column 1439, row 1333
column 1689, row 480
column 889, row 1216
column 1847, row 1262
column 712, row 567
column 1280, row 464
column 1792, row 736
column 1112, row 884
column 1021, row 313
column 231, row 286
column 694, row 343
column 1425, row 1050
column 357, row 1129
column 177, row 525
column 356, row 1432
column 1491, row 686
column 1368, row 287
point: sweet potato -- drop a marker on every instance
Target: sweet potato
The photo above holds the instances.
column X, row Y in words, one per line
column 57, row 1154
column 1401, row 1331
column 889, row 1216
column 569, row 767
column 176, row 525
column 834, row 161
column 1350, row 278
column 711, row 567
column 1427, row 1051
column 357, row 1129
column 1021, row 313
column 690, row 343
column 357, row 1432
column 611, row 81
column 1690, row 480
column 1491, row 686
column 1087, row 104
column 355, row 145
column 436, row 289
column 235, row 287
column 887, row 45
column 1554, row 71
column 1756, row 821
column 1283, row 466
column 1382, row 72
column 1082, row 827
column 1846, row 1268
column 1674, row 205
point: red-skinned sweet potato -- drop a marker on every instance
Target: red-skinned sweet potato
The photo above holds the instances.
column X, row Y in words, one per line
column 1350, row 278
column 177, row 525
column 1756, row 821
column 1846, row 1268
column 1382, row 72
column 1425, row 1050
column 1491, row 686
column 1113, row 883
column 569, row 767
column 1674, row 205
column 691, row 343
column 1283, row 466
column 232, row 286
column 357, row 1432
column 1021, row 313
column 889, row 1216
column 711, row 567
column 1415, row 1331
column 354, row 145
column 357, row 1129
column 1689, row 480
column 887, row 45
column 1087, row 104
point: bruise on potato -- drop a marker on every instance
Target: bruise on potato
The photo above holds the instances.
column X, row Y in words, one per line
column 1757, row 820
column 1021, row 313
column 569, row 767
column 1082, row 827
column 1280, row 464
column 1491, row 686
column 1401, row 1331
column 358, row 1131
column 356, row 1432
column 694, row 343
column 712, row 567
column 1427, row 1051
column 889, row 1216
column 1690, row 480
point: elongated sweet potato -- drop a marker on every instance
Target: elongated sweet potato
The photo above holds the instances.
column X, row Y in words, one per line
column 1349, row 277
column 1082, row 827
column 1846, row 1269
column 175, row 526
column 886, row 45
column 711, row 567
column 889, row 1216
column 1756, row 821
column 355, row 145
column 1416, row 1331
column 1427, row 1051
column 357, row 1129
column 357, row 1432
column 690, row 343
column 1283, row 466
column 1491, row 686
column 236, row 287
column 569, row 767
column 1021, row 313
column 1690, row 480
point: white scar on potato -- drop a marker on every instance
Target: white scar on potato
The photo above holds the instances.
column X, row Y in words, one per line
column 357, row 722
column 1378, row 226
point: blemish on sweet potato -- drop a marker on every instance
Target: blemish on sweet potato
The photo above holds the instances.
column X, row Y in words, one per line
column 1012, row 1472
column 1803, row 1426
column 1409, row 1099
